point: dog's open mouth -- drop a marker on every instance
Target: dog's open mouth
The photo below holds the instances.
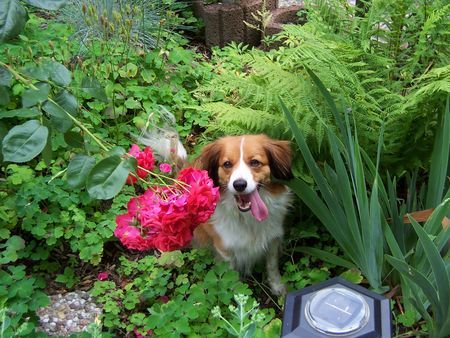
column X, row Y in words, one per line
column 253, row 202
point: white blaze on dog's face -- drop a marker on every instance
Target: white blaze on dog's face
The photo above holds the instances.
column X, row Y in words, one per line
column 244, row 165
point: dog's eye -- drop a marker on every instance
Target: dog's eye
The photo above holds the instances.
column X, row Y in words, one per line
column 227, row 164
column 255, row 163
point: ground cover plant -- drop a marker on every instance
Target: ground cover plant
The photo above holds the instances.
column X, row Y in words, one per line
column 362, row 93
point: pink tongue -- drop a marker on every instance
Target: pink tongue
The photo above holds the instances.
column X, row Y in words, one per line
column 258, row 208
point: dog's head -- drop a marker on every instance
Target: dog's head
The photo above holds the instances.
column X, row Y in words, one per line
column 244, row 164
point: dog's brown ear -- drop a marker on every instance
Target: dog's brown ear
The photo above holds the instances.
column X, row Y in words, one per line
column 280, row 159
column 209, row 161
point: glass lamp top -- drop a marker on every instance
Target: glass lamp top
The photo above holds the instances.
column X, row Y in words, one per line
column 337, row 311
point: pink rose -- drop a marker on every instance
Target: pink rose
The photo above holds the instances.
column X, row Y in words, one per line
column 165, row 168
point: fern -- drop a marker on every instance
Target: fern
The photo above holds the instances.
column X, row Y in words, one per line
column 361, row 58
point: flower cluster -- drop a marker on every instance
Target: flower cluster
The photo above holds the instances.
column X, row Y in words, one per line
column 145, row 161
column 165, row 217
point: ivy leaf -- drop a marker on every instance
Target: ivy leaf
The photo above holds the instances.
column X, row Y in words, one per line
column 31, row 97
column 93, row 87
column 107, row 177
column 78, row 170
column 13, row 17
column 24, row 142
column 58, row 73
column 47, row 4
column 21, row 113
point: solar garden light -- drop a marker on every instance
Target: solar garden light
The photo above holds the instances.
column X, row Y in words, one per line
column 336, row 308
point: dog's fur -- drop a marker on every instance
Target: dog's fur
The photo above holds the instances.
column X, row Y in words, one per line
column 241, row 230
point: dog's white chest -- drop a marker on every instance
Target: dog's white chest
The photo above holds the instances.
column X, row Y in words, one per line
column 242, row 235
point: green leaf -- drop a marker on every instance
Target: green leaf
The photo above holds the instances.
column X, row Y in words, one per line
column 439, row 160
column 12, row 245
column 4, row 96
column 5, row 77
column 13, row 17
column 93, row 87
column 129, row 70
column 21, row 113
column 74, row 139
column 437, row 264
column 31, row 97
column 58, row 73
column 107, row 177
column 78, row 170
column 148, row 75
column 24, row 142
column 64, row 104
column 47, row 4
column 352, row 275
column 326, row 256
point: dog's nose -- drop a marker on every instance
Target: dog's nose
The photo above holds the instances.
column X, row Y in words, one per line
column 240, row 185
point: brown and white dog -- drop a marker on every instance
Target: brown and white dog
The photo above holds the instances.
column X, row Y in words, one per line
column 247, row 224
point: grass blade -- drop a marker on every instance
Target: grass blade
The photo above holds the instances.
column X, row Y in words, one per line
column 326, row 256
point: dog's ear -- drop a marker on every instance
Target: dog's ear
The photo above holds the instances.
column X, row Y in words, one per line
column 209, row 161
column 280, row 159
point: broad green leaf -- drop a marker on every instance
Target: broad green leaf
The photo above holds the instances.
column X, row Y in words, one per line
column 47, row 153
column 4, row 96
column 64, row 103
column 13, row 17
column 24, row 142
column 74, row 139
column 5, row 77
column 31, row 97
column 58, row 72
column 93, row 87
column 47, row 4
column 37, row 72
column 107, row 177
column 21, row 113
column 78, row 170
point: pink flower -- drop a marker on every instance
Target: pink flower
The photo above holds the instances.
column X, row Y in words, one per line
column 165, row 168
column 145, row 160
column 166, row 217
column 102, row 276
column 138, row 335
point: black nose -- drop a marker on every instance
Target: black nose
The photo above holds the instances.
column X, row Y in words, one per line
column 240, row 185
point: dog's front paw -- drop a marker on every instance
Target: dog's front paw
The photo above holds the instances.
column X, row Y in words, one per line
column 278, row 289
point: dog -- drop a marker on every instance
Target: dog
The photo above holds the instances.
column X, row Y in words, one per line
column 247, row 224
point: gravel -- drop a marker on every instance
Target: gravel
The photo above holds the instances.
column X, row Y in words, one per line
column 67, row 314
